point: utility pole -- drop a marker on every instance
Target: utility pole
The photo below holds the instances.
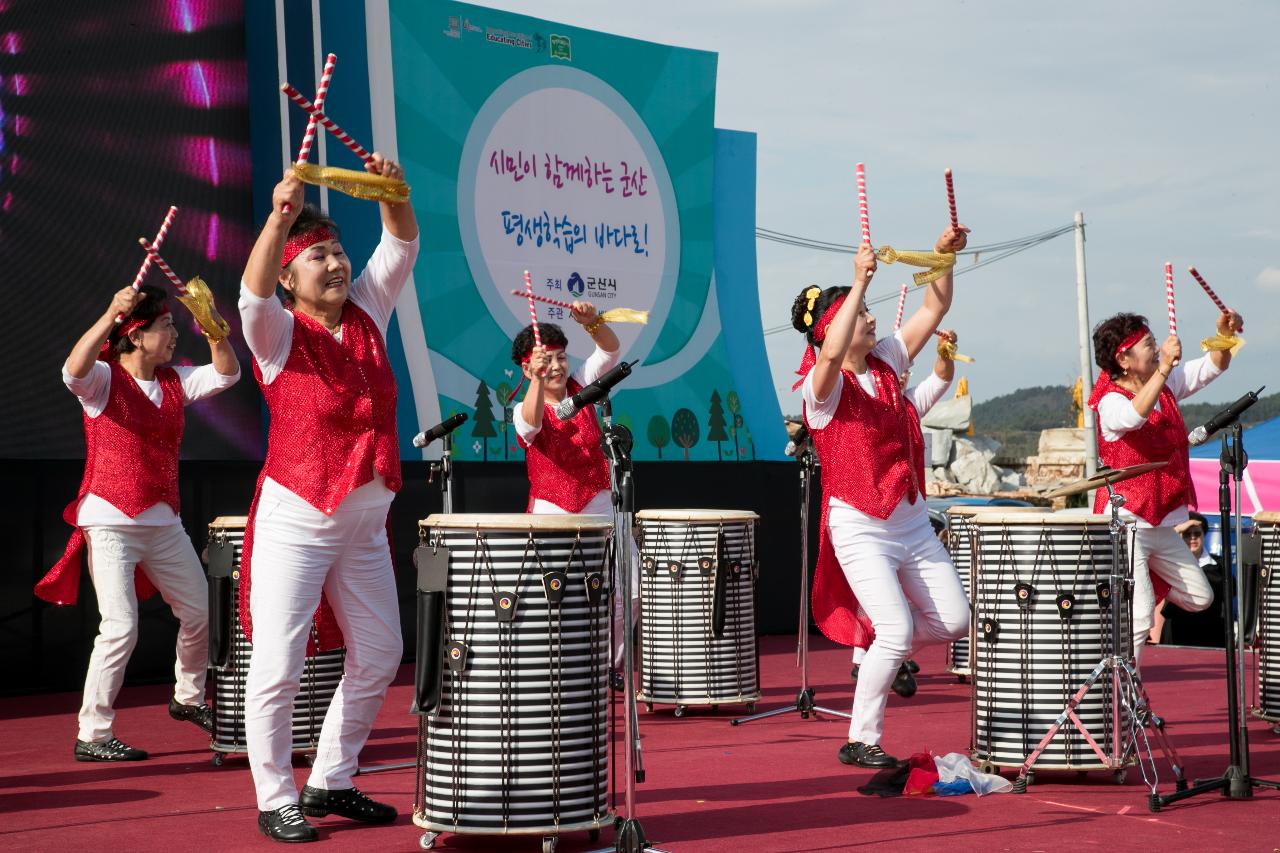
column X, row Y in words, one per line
column 1086, row 359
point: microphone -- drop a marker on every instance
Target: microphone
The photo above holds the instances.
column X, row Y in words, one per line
column 440, row 430
column 1223, row 419
column 593, row 393
column 797, row 441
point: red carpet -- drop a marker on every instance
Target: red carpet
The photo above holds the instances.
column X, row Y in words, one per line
column 773, row 785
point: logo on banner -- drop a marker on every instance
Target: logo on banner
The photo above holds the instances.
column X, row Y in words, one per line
column 576, row 286
column 560, row 48
column 453, row 32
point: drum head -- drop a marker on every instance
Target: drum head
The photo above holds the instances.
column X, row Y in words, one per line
column 1267, row 517
column 703, row 516
column 981, row 509
column 1046, row 519
column 229, row 522
column 516, row 521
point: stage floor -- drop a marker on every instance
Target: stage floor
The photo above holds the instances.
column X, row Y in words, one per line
column 772, row 785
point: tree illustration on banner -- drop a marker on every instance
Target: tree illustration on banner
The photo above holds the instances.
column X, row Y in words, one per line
column 659, row 433
column 685, row 430
column 483, row 428
column 503, row 394
column 715, row 424
column 735, row 424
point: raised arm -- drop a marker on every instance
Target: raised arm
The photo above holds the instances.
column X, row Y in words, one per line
column 534, row 403
column 1144, row 402
column 917, row 330
column 85, row 352
column 1228, row 324
column 945, row 368
column 605, row 338
column 399, row 219
column 263, row 268
column 840, row 332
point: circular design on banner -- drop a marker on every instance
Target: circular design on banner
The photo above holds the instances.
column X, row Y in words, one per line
column 508, row 225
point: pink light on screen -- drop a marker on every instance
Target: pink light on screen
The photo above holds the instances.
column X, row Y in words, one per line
column 201, row 84
column 211, row 238
column 12, row 44
column 8, row 202
column 18, row 83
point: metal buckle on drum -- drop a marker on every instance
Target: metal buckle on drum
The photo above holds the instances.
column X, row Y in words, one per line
column 706, row 565
column 1025, row 595
column 990, row 629
column 594, row 583
column 455, row 655
column 675, row 568
column 1066, row 603
column 650, row 566
column 1104, row 593
column 222, row 556
column 504, row 605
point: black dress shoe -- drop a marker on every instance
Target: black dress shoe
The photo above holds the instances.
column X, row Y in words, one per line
column 111, row 750
column 286, row 824
column 349, row 802
column 868, row 755
column 913, row 666
column 201, row 715
column 904, row 683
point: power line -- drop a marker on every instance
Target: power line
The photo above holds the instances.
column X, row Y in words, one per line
column 1001, row 251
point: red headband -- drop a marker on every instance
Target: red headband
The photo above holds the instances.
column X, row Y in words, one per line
column 525, row 360
column 1133, row 340
column 810, row 357
column 129, row 325
column 299, row 243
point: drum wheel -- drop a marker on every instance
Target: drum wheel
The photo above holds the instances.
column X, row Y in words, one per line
column 962, row 679
column 218, row 758
column 428, row 840
column 593, row 835
column 548, row 844
column 751, row 707
column 986, row 767
column 1120, row 776
column 648, row 706
column 680, row 710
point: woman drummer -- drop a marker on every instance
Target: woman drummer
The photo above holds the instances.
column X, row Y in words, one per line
column 1136, row 398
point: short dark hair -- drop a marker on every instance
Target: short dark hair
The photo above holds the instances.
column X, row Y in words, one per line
column 1199, row 519
column 800, row 307
column 552, row 336
column 151, row 307
column 310, row 218
column 1109, row 334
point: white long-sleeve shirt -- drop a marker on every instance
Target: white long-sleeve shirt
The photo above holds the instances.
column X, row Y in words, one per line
column 268, row 330
column 94, row 391
column 927, row 393
column 597, row 364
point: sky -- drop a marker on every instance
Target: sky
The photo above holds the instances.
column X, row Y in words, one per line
column 1159, row 121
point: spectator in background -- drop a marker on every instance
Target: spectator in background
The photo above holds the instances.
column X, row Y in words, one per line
column 1204, row 628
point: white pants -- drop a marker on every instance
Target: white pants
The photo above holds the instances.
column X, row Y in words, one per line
column 170, row 562
column 1162, row 551
column 602, row 504
column 907, row 586
column 297, row 550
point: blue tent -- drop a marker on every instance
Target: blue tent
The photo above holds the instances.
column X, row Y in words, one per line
column 1260, row 442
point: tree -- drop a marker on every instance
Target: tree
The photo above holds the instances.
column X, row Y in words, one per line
column 735, row 408
column 503, row 393
column 483, row 429
column 659, row 433
column 715, row 424
column 685, row 430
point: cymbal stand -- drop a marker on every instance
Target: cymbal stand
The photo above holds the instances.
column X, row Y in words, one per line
column 1131, row 714
column 804, row 703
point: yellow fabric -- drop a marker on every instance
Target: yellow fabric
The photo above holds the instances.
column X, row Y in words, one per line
column 1077, row 401
column 947, row 352
column 199, row 301
column 353, row 183
column 962, row 387
column 624, row 315
column 1220, row 342
column 938, row 264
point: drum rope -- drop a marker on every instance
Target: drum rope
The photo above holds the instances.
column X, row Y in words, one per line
column 458, row 717
column 707, row 591
column 647, row 600
column 598, row 676
column 677, row 599
column 508, row 675
column 734, row 607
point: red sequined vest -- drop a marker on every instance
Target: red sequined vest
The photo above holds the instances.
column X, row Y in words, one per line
column 1162, row 438
column 566, row 465
column 871, row 451
column 333, row 412
column 131, row 462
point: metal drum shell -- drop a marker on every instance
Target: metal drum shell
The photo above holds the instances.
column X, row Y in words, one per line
column 960, row 546
column 1016, row 698
column 1267, row 703
column 682, row 663
column 320, row 674
column 556, row 703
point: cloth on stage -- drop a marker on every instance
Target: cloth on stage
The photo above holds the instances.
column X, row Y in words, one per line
column 357, row 184
column 954, row 768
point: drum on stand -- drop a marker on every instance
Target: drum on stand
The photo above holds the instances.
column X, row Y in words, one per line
column 698, row 577
column 1267, row 660
column 1042, row 622
column 960, row 544
column 518, row 742
column 230, row 651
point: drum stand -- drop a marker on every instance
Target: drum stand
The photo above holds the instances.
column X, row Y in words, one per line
column 804, row 699
column 444, row 468
column 617, row 442
column 1235, row 783
column 1129, row 698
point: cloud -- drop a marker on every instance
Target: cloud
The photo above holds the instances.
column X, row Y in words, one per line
column 1268, row 279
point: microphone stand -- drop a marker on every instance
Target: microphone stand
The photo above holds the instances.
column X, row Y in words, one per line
column 444, row 469
column 617, row 443
column 804, row 699
column 1235, row 783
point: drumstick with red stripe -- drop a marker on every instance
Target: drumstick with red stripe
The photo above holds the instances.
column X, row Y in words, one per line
column 146, row 262
column 1208, row 290
column 951, row 199
column 902, row 304
column 1168, row 290
column 328, row 123
column 864, row 220
column 322, row 91
column 164, row 267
